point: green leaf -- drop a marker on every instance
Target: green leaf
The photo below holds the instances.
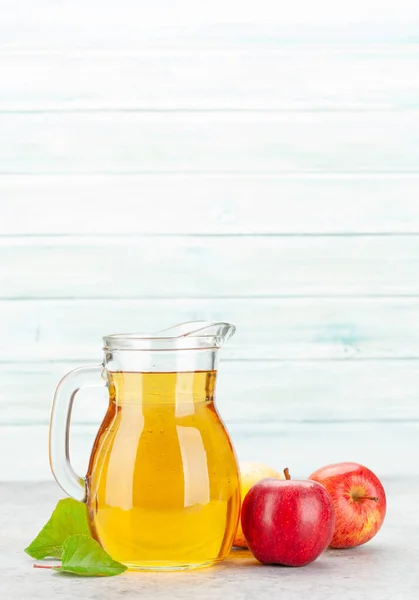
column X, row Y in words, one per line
column 82, row 555
column 69, row 518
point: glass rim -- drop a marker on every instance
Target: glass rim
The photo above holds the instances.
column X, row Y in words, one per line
column 192, row 335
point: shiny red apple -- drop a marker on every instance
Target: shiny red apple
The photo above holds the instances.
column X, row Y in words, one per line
column 287, row 522
column 359, row 500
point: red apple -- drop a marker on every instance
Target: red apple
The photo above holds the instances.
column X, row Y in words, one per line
column 359, row 500
column 287, row 522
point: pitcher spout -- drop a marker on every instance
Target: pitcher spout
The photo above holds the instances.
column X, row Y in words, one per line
column 216, row 333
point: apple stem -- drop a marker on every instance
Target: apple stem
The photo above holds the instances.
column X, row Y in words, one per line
column 288, row 476
column 374, row 498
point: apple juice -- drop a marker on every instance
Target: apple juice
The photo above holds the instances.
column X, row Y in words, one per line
column 163, row 484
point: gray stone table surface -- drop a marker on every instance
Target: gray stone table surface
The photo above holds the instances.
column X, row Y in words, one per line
column 386, row 568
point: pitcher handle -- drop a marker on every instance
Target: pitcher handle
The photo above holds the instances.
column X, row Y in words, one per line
column 59, row 431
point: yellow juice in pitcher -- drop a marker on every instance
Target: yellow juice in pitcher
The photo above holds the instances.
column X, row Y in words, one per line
column 162, row 484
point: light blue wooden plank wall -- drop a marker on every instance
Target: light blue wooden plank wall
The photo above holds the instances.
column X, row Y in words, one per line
column 171, row 161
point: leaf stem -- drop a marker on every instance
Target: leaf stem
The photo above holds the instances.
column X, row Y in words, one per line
column 45, row 567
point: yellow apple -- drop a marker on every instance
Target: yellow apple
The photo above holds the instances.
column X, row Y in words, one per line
column 251, row 473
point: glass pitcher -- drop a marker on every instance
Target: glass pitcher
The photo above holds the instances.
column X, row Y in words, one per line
column 162, row 488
